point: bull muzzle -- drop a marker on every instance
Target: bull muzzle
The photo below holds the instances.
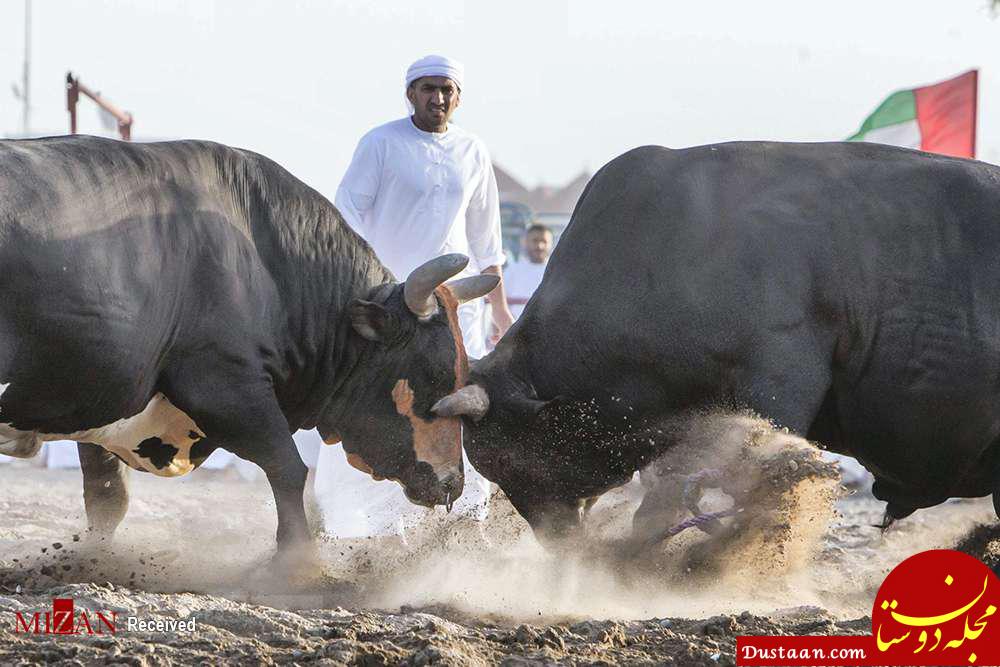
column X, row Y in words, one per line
column 442, row 489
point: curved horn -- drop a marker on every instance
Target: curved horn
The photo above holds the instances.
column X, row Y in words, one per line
column 418, row 291
column 473, row 287
column 470, row 400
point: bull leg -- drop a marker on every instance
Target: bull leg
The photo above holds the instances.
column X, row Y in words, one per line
column 556, row 524
column 662, row 507
column 286, row 473
column 105, row 489
column 789, row 382
column 241, row 414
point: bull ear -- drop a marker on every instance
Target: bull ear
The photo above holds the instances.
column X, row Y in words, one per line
column 371, row 320
column 552, row 406
column 533, row 410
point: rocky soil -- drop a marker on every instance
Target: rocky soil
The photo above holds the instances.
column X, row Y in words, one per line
column 196, row 549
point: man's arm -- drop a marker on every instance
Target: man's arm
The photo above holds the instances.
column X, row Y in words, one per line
column 500, row 311
column 482, row 227
column 357, row 192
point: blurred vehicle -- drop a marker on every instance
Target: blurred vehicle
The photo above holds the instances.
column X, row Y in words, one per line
column 514, row 219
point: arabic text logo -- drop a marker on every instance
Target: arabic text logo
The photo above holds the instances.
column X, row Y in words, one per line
column 939, row 602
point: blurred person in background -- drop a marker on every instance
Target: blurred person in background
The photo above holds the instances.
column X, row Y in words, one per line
column 522, row 277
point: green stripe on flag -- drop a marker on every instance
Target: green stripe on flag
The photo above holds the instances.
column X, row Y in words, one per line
column 899, row 107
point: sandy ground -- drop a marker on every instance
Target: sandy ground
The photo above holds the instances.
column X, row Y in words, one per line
column 197, row 549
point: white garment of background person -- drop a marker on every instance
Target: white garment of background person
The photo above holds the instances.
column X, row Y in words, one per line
column 520, row 280
column 414, row 195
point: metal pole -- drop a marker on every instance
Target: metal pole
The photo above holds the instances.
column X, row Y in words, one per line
column 26, row 90
column 124, row 118
column 72, row 95
column 73, row 91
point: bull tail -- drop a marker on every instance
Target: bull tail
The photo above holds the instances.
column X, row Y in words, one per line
column 996, row 484
column 893, row 513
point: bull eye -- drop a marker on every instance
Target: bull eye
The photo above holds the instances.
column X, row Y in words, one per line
column 423, row 407
column 435, row 383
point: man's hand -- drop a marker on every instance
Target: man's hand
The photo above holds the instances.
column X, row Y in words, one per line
column 501, row 318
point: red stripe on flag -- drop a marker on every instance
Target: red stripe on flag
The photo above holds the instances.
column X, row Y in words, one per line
column 946, row 113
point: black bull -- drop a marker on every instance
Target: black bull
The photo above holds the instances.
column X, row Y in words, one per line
column 162, row 300
column 848, row 292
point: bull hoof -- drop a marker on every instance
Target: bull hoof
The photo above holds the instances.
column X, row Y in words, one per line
column 296, row 564
column 291, row 570
column 95, row 539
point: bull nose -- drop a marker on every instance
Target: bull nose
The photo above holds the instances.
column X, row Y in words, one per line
column 452, row 486
column 443, row 491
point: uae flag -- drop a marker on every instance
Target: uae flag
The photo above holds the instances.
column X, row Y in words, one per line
column 940, row 118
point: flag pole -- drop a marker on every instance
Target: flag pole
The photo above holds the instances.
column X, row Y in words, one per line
column 26, row 90
column 975, row 108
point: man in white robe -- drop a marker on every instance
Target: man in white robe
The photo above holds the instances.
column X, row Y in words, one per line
column 522, row 278
column 417, row 188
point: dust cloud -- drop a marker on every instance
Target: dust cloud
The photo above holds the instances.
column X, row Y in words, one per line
column 497, row 568
column 796, row 532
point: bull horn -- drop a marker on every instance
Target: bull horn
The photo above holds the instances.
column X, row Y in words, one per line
column 470, row 400
column 473, row 287
column 418, row 291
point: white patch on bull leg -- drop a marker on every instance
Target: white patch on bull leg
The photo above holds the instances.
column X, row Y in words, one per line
column 19, row 444
column 144, row 441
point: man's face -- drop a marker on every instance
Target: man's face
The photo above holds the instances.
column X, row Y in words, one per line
column 434, row 100
column 538, row 246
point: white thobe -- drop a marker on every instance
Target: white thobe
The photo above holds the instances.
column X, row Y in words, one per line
column 520, row 280
column 413, row 195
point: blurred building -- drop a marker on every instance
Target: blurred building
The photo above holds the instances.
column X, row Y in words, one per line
column 549, row 205
column 545, row 198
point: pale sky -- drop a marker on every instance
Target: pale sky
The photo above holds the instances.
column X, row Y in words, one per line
column 552, row 86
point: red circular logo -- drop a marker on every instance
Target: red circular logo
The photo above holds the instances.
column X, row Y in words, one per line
column 938, row 607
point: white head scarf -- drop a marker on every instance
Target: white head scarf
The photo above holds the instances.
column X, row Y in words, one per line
column 434, row 66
